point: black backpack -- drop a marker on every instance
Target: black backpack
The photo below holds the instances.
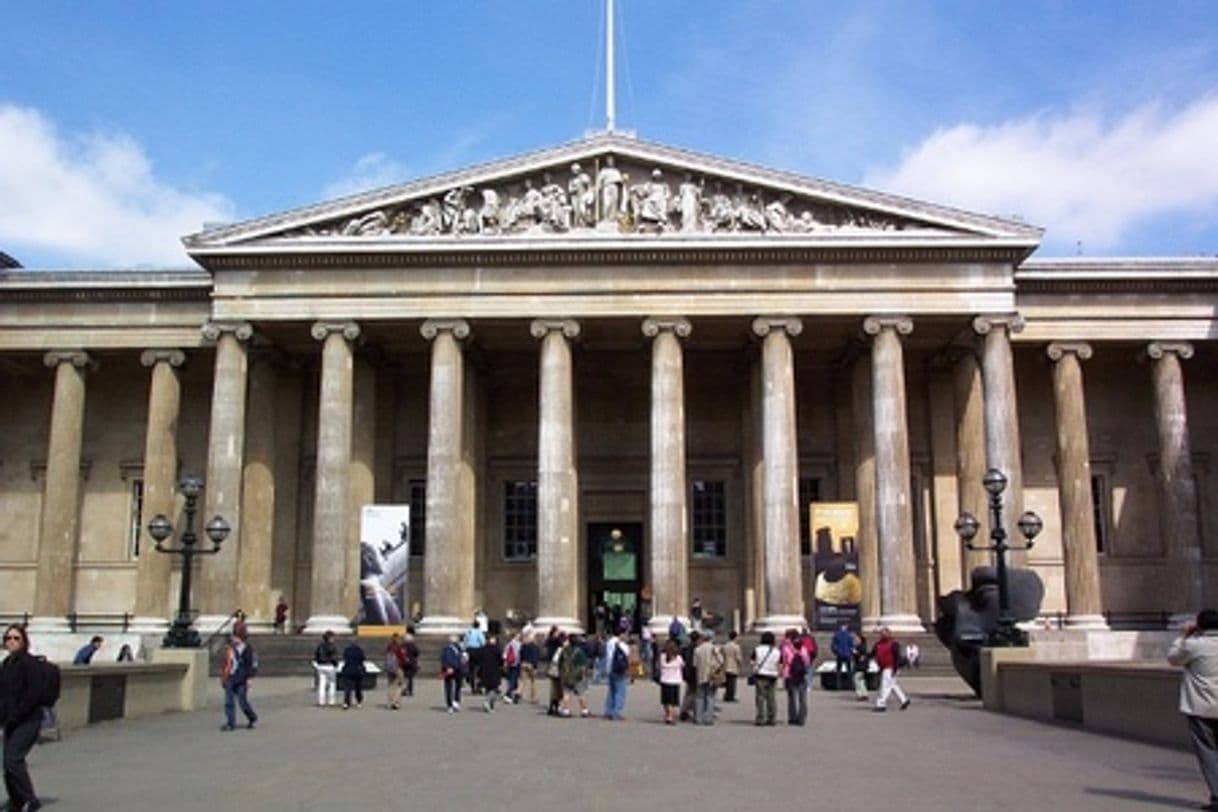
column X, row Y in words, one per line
column 621, row 662
column 798, row 667
column 46, row 679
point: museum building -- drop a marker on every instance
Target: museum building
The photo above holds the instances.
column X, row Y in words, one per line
column 608, row 372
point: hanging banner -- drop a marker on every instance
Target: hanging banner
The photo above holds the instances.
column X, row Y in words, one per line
column 384, row 563
column 838, row 589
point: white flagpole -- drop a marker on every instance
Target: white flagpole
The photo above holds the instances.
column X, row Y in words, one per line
column 610, row 111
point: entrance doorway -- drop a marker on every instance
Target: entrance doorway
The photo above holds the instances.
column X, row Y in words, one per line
column 615, row 566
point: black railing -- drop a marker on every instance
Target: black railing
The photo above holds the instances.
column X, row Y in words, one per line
column 228, row 621
column 76, row 619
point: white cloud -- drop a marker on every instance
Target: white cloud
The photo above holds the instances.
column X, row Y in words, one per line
column 371, row 171
column 91, row 198
column 1080, row 176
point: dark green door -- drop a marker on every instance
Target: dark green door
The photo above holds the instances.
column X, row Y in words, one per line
column 615, row 568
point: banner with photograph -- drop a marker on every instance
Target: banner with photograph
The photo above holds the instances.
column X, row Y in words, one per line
column 384, row 563
column 838, row 589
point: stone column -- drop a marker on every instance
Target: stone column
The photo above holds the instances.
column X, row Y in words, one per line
column 557, row 480
column 448, row 567
column 784, row 607
column 332, row 479
column 258, row 495
column 669, row 514
column 53, row 585
column 152, row 599
column 361, row 489
column 970, row 455
column 1083, row 603
column 864, row 486
column 894, row 517
column 1178, row 520
column 225, row 458
column 1002, row 447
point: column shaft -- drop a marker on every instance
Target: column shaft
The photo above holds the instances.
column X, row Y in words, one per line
column 557, row 481
column 1083, row 603
column 258, row 496
column 362, row 487
column 970, row 454
column 864, row 485
column 1002, row 444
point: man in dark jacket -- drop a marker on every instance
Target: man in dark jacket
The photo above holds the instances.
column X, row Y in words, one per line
column 843, row 652
column 450, row 671
column 490, row 671
column 21, row 713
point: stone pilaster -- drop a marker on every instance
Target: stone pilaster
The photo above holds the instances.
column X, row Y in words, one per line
column 448, row 567
column 331, row 512
column 1002, row 447
column 1178, row 520
column 258, row 494
column 53, row 593
column 894, row 518
column 784, row 607
column 970, row 455
column 669, row 514
column 225, row 460
column 864, row 486
column 1083, row 602
column 557, row 480
column 152, row 599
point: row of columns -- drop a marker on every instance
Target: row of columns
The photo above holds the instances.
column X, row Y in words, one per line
column 240, row 482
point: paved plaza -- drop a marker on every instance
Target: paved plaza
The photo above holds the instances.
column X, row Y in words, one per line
column 945, row 752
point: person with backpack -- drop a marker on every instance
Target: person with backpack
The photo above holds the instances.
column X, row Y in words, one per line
column 511, row 668
column 352, row 674
column 887, row 654
column 412, row 660
column 842, row 647
column 766, row 666
column 617, row 654
column 240, row 666
column 451, row 663
column 573, row 674
column 795, row 667
column 23, row 693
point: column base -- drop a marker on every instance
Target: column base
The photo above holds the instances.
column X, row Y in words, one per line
column 901, row 623
column 1087, row 622
column 445, row 625
column 319, row 624
column 48, row 624
column 148, row 625
column 566, row 624
column 780, row 623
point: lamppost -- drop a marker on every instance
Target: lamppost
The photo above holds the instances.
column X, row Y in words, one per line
column 182, row 634
column 1030, row 525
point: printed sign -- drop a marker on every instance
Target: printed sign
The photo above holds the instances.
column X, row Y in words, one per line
column 384, row 563
column 837, row 587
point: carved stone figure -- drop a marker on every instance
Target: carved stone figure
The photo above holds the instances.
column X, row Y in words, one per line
column 488, row 215
column 372, row 224
column 428, row 219
column 722, row 213
column 653, row 203
column 454, row 204
column 610, row 184
column 750, row 213
column 582, row 198
column 776, row 216
column 555, row 210
column 689, row 204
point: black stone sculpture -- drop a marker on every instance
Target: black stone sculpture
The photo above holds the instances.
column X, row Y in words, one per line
column 968, row 620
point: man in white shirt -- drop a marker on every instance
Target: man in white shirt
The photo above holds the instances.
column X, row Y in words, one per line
column 1196, row 649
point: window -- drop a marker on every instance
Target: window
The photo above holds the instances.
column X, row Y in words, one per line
column 418, row 516
column 520, row 520
column 709, row 509
column 809, row 492
column 135, row 517
column 1101, row 511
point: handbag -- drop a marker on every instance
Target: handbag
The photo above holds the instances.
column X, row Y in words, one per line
column 752, row 678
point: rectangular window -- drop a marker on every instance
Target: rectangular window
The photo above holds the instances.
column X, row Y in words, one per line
column 709, row 526
column 135, row 518
column 418, row 516
column 809, row 492
column 520, row 520
column 1101, row 510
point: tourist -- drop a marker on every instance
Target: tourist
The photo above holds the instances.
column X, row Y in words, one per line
column 695, row 615
column 617, row 654
column 671, row 667
column 239, row 624
column 1196, row 650
column 490, row 671
column 412, row 659
column 707, row 661
column 555, row 642
column 597, row 651
column 646, row 648
column 529, row 656
column 395, row 671
column 795, row 667
column 511, row 668
column 325, row 664
column 240, row 666
column 861, row 659
column 676, row 630
column 352, row 674
column 281, row 615
column 842, row 648
column 732, row 658
column 808, row 643
column 887, row 655
column 767, row 660
column 450, row 671
column 690, row 677
column 474, row 639
column 573, row 673
column 21, row 712
column 913, row 655
column 85, row 655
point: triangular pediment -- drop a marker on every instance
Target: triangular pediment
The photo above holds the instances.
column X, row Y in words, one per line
column 610, row 189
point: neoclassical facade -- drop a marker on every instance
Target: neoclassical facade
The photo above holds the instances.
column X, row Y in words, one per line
column 604, row 371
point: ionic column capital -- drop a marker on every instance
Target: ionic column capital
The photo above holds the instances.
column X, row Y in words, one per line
column 653, row 326
column 762, row 325
column 874, row 325
column 241, row 330
column 77, row 358
column 321, row 330
column 1060, row 349
column 1158, row 349
column 540, row 328
column 986, row 322
column 433, row 327
column 150, row 358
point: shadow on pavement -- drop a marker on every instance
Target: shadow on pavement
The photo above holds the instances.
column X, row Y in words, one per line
column 1144, row 797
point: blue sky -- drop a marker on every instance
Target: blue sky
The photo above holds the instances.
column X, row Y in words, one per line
column 125, row 125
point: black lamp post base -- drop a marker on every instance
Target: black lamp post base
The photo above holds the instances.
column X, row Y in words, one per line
column 182, row 635
column 1008, row 637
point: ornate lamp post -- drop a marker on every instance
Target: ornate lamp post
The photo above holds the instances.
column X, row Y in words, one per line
column 182, row 634
column 1030, row 525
